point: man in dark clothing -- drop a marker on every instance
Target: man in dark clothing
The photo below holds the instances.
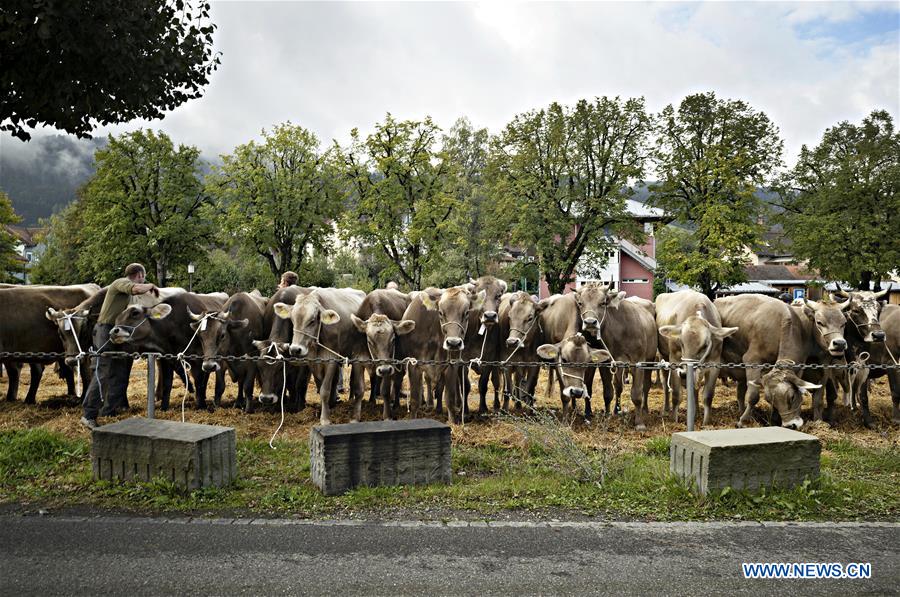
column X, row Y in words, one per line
column 109, row 383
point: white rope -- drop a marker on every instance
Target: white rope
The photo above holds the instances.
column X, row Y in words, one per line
column 279, row 357
column 185, row 366
column 81, row 354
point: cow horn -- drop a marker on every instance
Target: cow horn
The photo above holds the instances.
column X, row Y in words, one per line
column 193, row 315
column 847, row 304
column 841, row 292
column 882, row 294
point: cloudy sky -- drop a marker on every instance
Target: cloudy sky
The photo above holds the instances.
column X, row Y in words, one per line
column 334, row 66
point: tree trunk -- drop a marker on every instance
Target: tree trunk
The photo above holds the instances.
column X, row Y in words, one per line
column 161, row 273
column 865, row 279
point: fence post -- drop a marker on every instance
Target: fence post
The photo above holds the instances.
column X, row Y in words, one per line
column 689, row 365
column 151, row 385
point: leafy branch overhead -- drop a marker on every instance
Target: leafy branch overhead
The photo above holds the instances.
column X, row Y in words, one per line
column 74, row 65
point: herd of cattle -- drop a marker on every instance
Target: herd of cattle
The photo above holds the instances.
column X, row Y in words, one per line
column 436, row 336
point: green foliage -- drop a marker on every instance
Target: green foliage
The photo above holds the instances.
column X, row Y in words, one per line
column 64, row 240
column 842, row 201
column 231, row 272
column 400, row 195
column 711, row 156
column 27, row 454
column 9, row 262
column 278, row 196
column 561, row 177
column 145, row 203
column 111, row 61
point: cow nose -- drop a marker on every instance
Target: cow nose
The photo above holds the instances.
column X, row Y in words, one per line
column 384, row 370
column 296, row 350
column 839, row 343
column 576, row 392
column 71, row 361
column 268, row 398
column 490, row 316
column 454, row 342
column 590, row 322
column 210, row 366
column 512, row 341
column 878, row 336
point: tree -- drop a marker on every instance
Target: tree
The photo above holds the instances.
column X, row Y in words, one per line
column 562, row 176
column 9, row 257
column 400, row 196
column 278, row 196
column 72, row 65
column 477, row 217
column 145, row 203
column 711, row 157
column 841, row 201
column 64, row 241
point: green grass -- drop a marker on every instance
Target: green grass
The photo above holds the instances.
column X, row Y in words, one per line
column 38, row 467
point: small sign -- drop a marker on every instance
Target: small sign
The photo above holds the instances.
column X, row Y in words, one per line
column 203, row 325
column 67, row 325
column 481, row 330
column 799, row 293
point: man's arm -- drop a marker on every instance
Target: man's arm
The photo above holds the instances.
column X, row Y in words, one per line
column 144, row 288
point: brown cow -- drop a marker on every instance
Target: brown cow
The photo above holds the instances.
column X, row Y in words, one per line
column 25, row 328
column 689, row 328
column 423, row 343
column 490, row 337
column 322, row 328
column 231, row 332
column 380, row 321
column 566, row 356
column 770, row 331
column 520, row 326
column 626, row 330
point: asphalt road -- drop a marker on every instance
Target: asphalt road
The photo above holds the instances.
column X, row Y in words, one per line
column 50, row 555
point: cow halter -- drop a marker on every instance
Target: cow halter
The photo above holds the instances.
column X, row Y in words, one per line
column 318, row 342
column 69, row 326
column 521, row 342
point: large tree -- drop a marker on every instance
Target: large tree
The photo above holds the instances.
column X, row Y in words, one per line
column 400, row 196
column 9, row 257
column 72, row 65
column 842, row 201
column 278, row 196
column 145, row 203
column 562, row 175
column 711, row 157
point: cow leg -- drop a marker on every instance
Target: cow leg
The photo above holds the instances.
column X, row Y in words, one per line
column 14, row 371
column 549, row 389
column 164, row 386
column 484, row 379
column 830, row 399
column 201, row 378
column 415, row 390
column 666, row 383
column 385, row 391
column 439, row 389
column 496, row 382
column 358, row 389
column 68, row 374
column 326, row 391
column 817, row 404
column 864, row 406
column 606, row 381
column 618, row 383
column 37, row 372
column 709, row 390
column 507, row 390
column 531, row 379
column 220, row 386
column 752, row 397
column 637, row 397
column 451, row 388
column 676, row 397
column 894, row 382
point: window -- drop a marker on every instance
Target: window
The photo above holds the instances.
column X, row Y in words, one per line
column 29, row 256
column 635, row 281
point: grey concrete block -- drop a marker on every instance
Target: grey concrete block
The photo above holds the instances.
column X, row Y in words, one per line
column 747, row 459
column 410, row 452
column 189, row 455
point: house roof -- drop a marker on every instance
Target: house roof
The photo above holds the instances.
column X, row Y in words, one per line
column 643, row 212
column 777, row 273
column 748, row 288
column 24, row 234
column 893, row 286
column 635, row 253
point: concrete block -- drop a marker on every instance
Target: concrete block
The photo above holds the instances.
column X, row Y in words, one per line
column 411, row 452
column 747, row 459
column 189, row 455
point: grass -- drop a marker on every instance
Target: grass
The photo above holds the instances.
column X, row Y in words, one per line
column 45, row 468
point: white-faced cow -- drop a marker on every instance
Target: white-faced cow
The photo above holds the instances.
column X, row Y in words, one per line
column 569, row 357
column 423, row 343
column 689, row 328
column 522, row 333
column 323, row 329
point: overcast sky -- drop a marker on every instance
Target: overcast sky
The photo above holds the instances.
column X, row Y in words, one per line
column 334, row 66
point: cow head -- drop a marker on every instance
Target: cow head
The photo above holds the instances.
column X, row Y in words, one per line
column 453, row 308
column 574, row 350
column 215, row 332
column 73, row 329
column 864, row 312
column 696, row 339
column 307, row 316
column 594, row 300
column 784, row 390
column 381, row 334
column 493, row 291
column 271, row 370
column 828, row 321
column 133, row 324
column 524, row 315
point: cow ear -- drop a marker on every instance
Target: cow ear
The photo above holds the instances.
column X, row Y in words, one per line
column 84, row 312
column 722, row 333
column 806, row 386
column 329, row 317
column 160, row 311
column 282, row 310
column 427, row 301
column 754, row 383
column 600, row 356
column 672, row 332
column 548, row 352
column 51, row 314
column 577, row 296
column 360, row 324
column 809, row 307
column 238, row 323
column 404, row 327
column 478, row 302
column 615, row 301
column 541, row 305
column 503, row 285
column 259, row 344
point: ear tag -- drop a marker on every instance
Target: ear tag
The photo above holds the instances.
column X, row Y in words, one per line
column 481, row 330
column 67, row 325
column 203, row 325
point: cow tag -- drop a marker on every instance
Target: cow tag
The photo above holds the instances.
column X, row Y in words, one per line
column 597, row 333
column 67, row 325
column 203, row 326
column 481, row 330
